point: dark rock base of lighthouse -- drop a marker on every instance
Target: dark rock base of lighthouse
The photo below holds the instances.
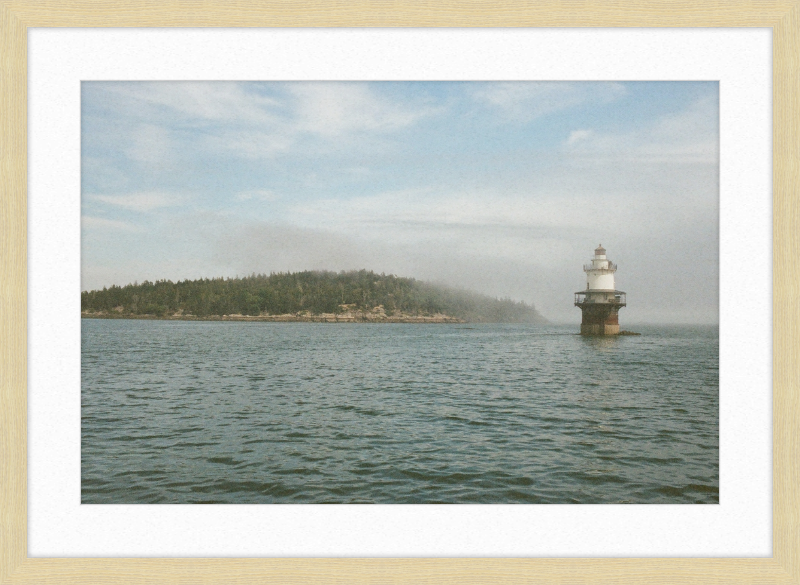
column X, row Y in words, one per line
column 600, row 319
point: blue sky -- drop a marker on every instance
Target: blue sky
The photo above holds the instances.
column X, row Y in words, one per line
column 504, row 188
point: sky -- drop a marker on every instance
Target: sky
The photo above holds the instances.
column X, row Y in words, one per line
column 504, row 188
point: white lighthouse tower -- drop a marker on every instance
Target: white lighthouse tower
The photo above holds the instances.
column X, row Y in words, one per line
column 601, row 301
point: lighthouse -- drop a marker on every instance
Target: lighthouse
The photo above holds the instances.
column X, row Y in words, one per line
column 601, row 301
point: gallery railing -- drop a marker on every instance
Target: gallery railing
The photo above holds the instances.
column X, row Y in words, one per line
column 587, row 297
column 611, row 267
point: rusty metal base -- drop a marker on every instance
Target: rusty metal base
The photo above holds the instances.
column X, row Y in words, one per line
column 600, row 318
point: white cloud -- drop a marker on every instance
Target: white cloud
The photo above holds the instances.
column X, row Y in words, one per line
column 146, row 201
column 690, row 136
column 252, row 143
column 358, row 171
column 257, row 126
column 102, row 223
column 332, row 109
column 150, row 144
column 578, row 135
column 526, row 101
column 105, row 174
column 203, row 100
column 257, row 195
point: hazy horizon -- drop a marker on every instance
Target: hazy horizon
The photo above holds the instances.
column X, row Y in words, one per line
column 501, row 188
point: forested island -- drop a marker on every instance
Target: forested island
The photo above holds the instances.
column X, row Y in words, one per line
column 356, row 296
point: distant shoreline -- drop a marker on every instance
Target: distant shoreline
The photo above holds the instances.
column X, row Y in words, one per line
column 311, row 296
column 350, row 317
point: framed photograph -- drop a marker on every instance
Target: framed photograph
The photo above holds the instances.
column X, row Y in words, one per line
column 384, row 196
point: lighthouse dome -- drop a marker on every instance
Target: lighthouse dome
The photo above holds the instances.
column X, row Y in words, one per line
column 600, row 250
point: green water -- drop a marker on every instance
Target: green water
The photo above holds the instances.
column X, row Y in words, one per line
column 210, row 412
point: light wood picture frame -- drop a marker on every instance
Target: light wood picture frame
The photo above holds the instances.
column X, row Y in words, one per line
column 783, row 17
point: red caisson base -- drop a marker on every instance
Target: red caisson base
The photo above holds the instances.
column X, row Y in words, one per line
column 600, row 319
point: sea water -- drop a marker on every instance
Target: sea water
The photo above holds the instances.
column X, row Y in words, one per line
column 234, row 412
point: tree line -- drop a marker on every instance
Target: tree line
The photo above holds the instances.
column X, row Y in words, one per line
column 312, row 291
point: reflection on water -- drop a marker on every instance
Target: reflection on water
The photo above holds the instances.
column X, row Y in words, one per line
column 601, row 342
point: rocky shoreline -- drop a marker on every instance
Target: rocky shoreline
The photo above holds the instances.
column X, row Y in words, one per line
column 375, row 316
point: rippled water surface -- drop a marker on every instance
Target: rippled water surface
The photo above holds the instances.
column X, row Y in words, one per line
column 191, row 412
